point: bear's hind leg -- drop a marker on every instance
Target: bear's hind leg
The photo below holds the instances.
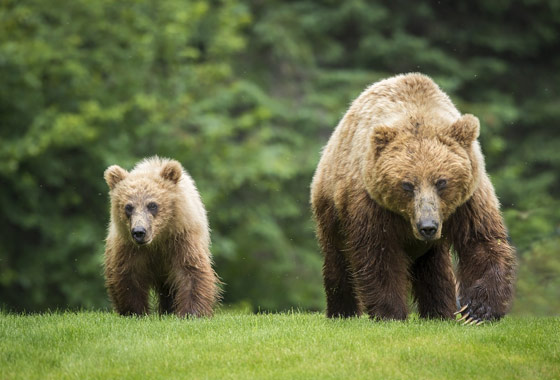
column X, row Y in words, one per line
column 341, row 298
column 337, row 280
column 166, row 299
column 433, row 283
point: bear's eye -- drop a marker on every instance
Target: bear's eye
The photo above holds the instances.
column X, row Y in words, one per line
column 441, row 184
column 128, row 209
column 152, row 207
column 408, row 187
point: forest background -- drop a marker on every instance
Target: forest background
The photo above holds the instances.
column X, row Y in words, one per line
column 245, row 94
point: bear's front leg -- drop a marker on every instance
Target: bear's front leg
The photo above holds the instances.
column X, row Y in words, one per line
column 126, row 280
column 433, row 283
column 193, row 281
column 195, row 291
column 486, row 259
column 381, row 278
column 128, row 294
column 379, row 266
column 486, row 279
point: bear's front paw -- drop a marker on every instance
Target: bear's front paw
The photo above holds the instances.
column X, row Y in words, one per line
column 475, row 313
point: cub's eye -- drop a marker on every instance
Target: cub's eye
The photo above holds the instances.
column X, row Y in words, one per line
column 128, row 209
column 407, row 186
column 152, row 207
column 441, row 184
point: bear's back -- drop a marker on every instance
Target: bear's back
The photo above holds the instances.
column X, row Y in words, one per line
column 403, row 102
column 401, row 99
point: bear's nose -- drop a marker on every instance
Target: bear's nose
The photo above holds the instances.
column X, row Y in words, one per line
column 428, row 228
column 138, row 234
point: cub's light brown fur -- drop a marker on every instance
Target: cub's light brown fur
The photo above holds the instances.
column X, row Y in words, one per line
column 400, row 182
column 174, row 257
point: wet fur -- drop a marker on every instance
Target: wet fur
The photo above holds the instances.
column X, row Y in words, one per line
column 372, row 254
column 177, row 261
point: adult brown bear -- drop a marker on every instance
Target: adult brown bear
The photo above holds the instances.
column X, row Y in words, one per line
column 400, row 182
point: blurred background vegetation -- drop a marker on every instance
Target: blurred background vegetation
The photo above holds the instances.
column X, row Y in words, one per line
column 245, row 94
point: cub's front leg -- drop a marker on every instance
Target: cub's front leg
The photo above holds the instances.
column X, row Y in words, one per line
column 194, row 282
column 126, row 279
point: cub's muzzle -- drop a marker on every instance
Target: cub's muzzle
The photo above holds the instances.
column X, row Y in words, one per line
column 139, row 234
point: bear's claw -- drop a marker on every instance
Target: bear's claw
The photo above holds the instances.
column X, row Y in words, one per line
column 461, row 310
column 468, row 319
column 472, row 321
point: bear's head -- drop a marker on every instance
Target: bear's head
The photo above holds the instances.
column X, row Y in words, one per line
column 143, row 202
column 423, row 172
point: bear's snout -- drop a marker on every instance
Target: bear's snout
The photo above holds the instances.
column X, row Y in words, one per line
column 427, row 228
column 139, row 235
column 426, row 221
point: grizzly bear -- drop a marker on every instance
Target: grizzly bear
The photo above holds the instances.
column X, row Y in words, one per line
column 400, row 183
column 158, row 239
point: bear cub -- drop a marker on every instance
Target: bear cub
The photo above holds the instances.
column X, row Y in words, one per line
column 400, row 183
column 158, row 239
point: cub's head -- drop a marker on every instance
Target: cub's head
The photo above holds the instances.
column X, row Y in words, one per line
column 142, row 201
column 423, row 174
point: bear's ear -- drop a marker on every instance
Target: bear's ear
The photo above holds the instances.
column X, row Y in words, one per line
column 172, row 171
column 113, row 175
column 382, row 135
column 465, row 130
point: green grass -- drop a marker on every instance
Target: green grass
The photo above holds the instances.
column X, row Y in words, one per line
column 98, row 345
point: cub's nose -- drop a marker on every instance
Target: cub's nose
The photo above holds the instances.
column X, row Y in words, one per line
column 138, row 234
column 428, row 228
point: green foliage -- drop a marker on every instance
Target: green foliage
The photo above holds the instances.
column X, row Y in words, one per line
column 273, row 346
column 537, row 288
column 245, row 94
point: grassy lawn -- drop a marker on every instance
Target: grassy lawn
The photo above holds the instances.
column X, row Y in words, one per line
column 99, row 345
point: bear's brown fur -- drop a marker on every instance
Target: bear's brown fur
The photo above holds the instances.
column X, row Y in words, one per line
column 158, row 239
column 400, row 182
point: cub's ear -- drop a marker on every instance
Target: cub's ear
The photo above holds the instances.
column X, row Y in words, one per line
column 382, row 136
column 172, row 171
column 113, row 175
column 465, row 130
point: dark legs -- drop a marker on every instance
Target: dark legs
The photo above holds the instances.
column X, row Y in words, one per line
column 382, row 282
column 433, row 284
column 358, row 272
column 196, row 291
column 487, row 260
column 486, row 278
column 165, row 296
column 129, row 296
column 341, row 298
column 193, row 293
